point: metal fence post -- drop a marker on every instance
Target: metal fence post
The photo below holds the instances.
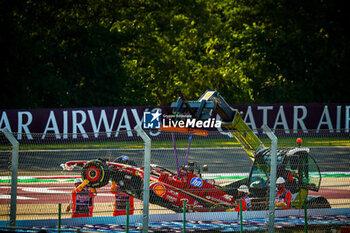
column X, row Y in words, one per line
column 146, row 178
column 59, row 217
column 273, row 174
column 184, row 217
column 14, row 173
column 127, row 215
column 241, row 215
column 305, row 217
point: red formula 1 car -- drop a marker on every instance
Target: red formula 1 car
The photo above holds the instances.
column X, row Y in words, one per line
column 167, row 189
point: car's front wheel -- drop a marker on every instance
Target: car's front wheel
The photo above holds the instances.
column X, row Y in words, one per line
column 96, row 172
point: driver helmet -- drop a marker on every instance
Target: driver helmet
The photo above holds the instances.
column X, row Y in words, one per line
column 125, row 160
column 280, row 180
column 78, row 180
column 243, row 188
column 122, row 159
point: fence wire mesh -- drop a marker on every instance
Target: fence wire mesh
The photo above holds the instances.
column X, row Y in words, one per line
column 217, row 163
column 5, row 171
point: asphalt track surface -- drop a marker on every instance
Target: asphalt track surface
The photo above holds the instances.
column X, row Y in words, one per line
column 219, row 160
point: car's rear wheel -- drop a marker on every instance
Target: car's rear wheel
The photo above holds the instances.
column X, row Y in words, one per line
column 96, row 172
column 318, row 203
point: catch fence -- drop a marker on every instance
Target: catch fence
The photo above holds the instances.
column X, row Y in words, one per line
column 217, row 160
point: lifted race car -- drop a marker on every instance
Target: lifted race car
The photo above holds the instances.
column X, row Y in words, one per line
column 170, row 189
column 167, row 189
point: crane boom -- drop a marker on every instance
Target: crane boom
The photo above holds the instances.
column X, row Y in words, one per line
column 232, row 120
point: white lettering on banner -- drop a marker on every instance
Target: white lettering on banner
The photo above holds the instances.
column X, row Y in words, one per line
column 52, row 120
column 265, row 109
column 328, row 121
column 65, row 124
column 103, row 118
column 251, row 122
column 4, row 119
column 24, row 126
column 124, row 118
column 79, row 125
column 338, row 119
column 335, row 118
column 283, row 121
column 299, row 120
column 347, row 118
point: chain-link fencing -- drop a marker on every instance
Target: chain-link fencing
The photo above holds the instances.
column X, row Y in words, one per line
column 5, row 172
column 203, row 171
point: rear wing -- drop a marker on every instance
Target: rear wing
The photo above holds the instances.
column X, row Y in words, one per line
column 232, row 120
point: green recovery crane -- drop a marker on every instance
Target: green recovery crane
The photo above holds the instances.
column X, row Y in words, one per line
column 231, row 118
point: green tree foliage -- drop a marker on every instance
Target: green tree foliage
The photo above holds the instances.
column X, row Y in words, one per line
column 292, row 51
column 75, row 53
column 59, row 54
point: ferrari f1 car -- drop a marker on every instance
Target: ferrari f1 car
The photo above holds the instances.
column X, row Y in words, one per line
column 170, row 189
column 167, row 188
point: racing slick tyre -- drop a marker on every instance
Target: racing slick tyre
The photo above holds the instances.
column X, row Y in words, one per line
column 318, row 203
column 96, row 172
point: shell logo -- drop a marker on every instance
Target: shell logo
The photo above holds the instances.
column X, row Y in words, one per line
column 159, row 189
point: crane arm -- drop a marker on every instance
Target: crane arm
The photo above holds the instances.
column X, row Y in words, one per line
column 232, row 120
